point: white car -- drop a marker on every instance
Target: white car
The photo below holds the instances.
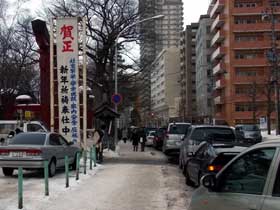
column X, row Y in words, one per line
column 150, row 138
column 249, row 181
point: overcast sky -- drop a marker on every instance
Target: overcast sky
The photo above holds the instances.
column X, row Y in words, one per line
column 192, row 8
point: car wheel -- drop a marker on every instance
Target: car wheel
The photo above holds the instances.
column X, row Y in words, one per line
column 74, row 164
column 8, row 171
column 52, row 168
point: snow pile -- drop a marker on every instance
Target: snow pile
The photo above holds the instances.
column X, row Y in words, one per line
column 110, row 153
column 33, row 189
column 267, row 137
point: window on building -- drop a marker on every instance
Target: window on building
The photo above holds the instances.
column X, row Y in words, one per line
column 244, row 107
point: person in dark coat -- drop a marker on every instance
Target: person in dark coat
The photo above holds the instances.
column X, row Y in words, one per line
column 135, row 141
column 142, row 137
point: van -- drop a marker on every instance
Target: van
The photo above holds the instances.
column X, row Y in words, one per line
column 174, row 136
column 6, row 126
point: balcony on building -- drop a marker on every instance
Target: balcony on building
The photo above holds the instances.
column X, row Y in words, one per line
column 250, row 62
column 255, row 27
column 219, row 100
column 217, row 8
column 218, row 53
column 220, row 84
column 218, row 37
column 218, row 22
column 220, row 68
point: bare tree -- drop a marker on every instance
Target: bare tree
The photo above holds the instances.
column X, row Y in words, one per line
column 17, row 56
column 105, row 20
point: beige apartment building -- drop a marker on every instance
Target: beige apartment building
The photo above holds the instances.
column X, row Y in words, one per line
column 165, row 88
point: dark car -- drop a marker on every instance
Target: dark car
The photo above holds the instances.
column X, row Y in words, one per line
column 158, row 139
column 209, row 158
column 248, row 133
column 199, row 133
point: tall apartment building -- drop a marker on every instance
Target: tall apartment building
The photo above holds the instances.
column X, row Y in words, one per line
column 204, row 77
column 165, row 86
column 241, row 40
column 188, row 109
column 155, row 36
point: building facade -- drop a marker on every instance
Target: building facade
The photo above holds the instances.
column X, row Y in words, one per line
column 241, row 41
column 188, row 111
column 204, row 77
column 155, row 36
column 164, row 86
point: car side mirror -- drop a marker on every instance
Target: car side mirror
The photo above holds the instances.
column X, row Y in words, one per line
column 190, row 154
column 209, row 181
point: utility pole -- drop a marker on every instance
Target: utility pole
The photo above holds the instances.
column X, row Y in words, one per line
column 273, row 59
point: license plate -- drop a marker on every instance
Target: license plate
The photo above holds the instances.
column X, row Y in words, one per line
column 17, row 154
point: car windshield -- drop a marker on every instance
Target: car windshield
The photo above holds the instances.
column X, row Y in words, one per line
column 251, row 128
column 216, row 134
column 28, row 139
column 178, row 128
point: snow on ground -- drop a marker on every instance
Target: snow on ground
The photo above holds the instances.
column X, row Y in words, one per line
column 33, row 187
column 267, row 137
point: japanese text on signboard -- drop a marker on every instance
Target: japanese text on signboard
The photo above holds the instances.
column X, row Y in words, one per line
column 68, row 80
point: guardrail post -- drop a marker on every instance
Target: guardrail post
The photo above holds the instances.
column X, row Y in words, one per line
column 85, row 161
column 20, row 188
column 67, row 171
column 46, row 176
column 78, row 166
column 90, row 156
column 94, row 155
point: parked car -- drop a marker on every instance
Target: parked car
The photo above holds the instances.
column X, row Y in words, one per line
column 251, row 180
column 29, row 150
column 248, row 133
column 199, row 133
column 150, row 138
column 173, row 138
column 7, row 126
column 159, row 136
column 209, row 158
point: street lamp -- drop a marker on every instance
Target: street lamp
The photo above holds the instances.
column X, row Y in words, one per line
column 273, row 59
column 116, row 65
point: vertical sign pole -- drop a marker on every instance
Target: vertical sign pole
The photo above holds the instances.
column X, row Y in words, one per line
column 51, row 77
column 20, row 188
column 90, row 155
column 46, row 176
column 67, row 171
column 84, row 86
column 78, row 166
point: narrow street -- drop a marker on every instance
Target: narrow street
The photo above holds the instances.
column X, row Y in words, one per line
column 132, row 181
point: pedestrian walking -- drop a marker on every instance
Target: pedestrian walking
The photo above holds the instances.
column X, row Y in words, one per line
column 98, row 139
column 142, row 137
column 135, row 141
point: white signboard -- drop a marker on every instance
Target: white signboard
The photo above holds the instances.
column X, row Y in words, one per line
column 263, row 123
column 68, row 78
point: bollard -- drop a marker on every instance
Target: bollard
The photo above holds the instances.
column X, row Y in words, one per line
column 20, row 188
column 67, row 171
column 85, row 161
column 94, row 155
column 46, row 176
column 78, row 166
column 90, row 156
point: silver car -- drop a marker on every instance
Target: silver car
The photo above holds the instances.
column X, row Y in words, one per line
column 250, row 181
column 29, row 150
column 174, row 137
